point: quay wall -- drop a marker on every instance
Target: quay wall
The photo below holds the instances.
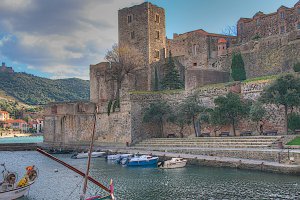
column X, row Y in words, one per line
column 274, row 156
column 215, row 161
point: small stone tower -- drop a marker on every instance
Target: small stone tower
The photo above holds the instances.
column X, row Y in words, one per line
column 143, row 27
column 222, row 47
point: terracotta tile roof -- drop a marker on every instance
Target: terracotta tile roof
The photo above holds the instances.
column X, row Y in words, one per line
column 4, row 112
column 222, row 40
column 15, row 121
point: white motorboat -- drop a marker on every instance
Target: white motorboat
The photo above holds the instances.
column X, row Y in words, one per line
column 86, row 155
column 118, row 156
column 10, row 190
column 173, row 163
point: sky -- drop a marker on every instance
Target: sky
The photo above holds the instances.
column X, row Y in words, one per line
column 61, row 38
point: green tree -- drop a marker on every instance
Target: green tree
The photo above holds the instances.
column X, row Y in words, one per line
column 238, row 72
column 256, row 114
column 191, row 108
column 229, row 109
column 285, row 91
column 156, row 82
column 172, row 80
column 156, row 113
column 179, row 119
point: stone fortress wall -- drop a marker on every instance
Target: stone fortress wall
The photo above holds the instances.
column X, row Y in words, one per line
column 72, row 123
column 262, row 25
column 143, row 27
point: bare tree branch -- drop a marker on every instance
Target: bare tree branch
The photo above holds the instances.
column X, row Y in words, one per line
column 123, row 61
column 230, row 30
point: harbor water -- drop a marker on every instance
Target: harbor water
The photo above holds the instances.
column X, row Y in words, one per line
column 32, row 139
column 191, row 182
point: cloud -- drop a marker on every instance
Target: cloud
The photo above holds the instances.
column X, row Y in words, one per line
column 59, row 37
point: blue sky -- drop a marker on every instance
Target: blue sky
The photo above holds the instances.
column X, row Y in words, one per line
column 61, row 38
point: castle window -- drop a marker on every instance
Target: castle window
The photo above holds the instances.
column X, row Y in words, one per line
column 298, row 26
column 157, row 18
column 298, row 10
column 156, row 54
column 157, row 35
column 132, row 35
column 129, row 19
column 242, row 27
column 257, row 22
column 54, row 109
column 282, row 29
column 281, row 15
column 194, row 64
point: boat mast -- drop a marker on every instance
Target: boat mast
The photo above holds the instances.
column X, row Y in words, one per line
column 89, row 158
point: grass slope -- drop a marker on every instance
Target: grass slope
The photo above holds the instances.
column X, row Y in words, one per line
column 295, row 141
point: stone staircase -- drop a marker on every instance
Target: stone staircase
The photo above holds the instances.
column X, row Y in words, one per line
column 209, row 142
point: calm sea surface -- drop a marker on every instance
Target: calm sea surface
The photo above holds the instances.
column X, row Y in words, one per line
column 192, row 182
column 33, row 139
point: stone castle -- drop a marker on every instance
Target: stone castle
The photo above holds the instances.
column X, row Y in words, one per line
column 266, row 40
column 269, row 44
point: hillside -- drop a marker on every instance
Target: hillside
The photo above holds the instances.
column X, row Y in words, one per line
column 35, row 90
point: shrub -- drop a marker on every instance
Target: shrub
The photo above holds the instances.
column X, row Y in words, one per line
column 297, row 67
column 294, row 121
column 256, row 37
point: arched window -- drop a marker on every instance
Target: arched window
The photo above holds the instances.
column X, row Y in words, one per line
column 282, row 15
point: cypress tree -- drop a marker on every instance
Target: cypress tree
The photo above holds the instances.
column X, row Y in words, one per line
column 238, row 72
column 172, row 80
column 156, row 88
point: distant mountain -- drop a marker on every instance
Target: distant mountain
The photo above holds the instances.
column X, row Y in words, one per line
column 34, row 90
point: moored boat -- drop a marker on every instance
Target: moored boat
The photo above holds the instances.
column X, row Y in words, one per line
column 118, row 156
column 86, row 155
column 143, row 160
column 173, row 163
column 15, row 193
column 10, row 190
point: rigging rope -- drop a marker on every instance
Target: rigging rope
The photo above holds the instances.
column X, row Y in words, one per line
column 77, row 185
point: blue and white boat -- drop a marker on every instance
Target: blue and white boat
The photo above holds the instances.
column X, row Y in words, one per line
column 143, row 160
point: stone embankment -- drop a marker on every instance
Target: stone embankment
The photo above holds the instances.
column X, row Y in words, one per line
column 216, row 161
column 18, row 147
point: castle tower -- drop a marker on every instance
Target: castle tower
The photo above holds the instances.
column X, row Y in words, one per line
column 222, row 47
column 143, row 27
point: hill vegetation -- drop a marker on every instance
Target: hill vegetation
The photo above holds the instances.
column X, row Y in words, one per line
column 33, row 90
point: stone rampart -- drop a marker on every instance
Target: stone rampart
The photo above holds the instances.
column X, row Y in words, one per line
column 73, row 122
column 269, row 56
